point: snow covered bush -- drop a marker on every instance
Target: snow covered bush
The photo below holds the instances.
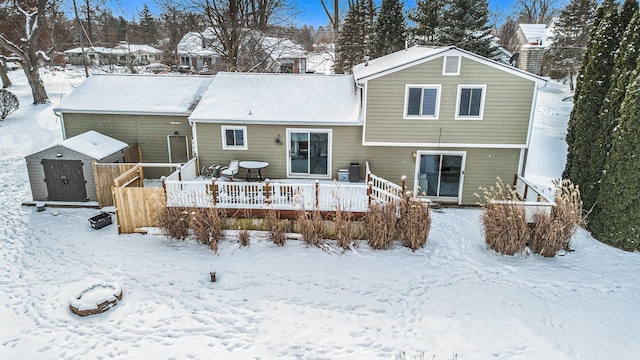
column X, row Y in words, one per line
column 174, row 222
column 8, row 103
column 414, row 224
column 505, row 226
column 551, row 233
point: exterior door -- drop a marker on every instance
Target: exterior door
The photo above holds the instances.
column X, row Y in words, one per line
column 65, row 180
column 178, row 149
column 440, row 175
column 309, row 153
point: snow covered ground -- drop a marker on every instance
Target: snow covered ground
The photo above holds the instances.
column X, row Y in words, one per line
column 452, row 298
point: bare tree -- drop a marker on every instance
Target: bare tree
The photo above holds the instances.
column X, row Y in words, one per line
column 333, row 15
column 508, row 35
column 28, row 51
column 535, row 11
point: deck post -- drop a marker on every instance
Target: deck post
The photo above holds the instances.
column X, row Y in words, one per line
column 267, row 193
column 369, row 191
column 317, row 193
column 164, row 184
column 404, row 185
column 214, row 192
column 140, row 175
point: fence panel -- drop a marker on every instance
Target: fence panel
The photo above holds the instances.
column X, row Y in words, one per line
column 137, row 207
column 104, row 174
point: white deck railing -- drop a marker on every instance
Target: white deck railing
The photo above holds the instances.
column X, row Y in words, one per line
column 533, row 200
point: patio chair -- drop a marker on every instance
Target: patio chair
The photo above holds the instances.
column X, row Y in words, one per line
column 230, row 170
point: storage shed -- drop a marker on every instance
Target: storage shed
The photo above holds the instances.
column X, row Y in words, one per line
column 64, row 172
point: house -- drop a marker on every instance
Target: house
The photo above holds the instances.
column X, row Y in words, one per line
column 123, row 54
column 64, row 172
column 533, row 40
column 148, row 111
column 200, row 52
column 450, row 120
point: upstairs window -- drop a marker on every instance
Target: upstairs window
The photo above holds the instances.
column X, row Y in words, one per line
column 422, row 101
column 470, row 101
column 451, row 65
column 234, row 137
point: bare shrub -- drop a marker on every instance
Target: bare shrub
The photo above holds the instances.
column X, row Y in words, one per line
column 552, row 232
column 380, row 225
column 174, row 222
column 309, row 225
column 8, row 103
column 277, row 228
column 207, row 226
column 243, row 238
column 344, row 227
column 414, row 224
column 504, row 220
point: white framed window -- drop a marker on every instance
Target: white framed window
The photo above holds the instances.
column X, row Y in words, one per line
column 470, row 103
column 422, row 101
column 451, row 65
column 234, row 137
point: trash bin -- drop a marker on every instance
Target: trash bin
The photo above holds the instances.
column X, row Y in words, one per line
column 343, row 175
column 354, row 172
column 100, row 221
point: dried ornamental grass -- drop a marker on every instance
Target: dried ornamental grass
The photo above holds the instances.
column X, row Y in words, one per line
column 414, row 224
column 277, row 228
column 345, row 231
column 174, row 222
column 380, row 225
column 309, row 225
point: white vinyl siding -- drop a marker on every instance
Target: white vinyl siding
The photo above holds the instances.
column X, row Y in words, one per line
column 422, row 101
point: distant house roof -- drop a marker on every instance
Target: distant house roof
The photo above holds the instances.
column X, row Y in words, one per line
column 136, row 94
column 537, row 33
column 193, row 43
column 418, row 54
column 280, row 98
column 117, row 50
column 281, row 48
column 94, row 144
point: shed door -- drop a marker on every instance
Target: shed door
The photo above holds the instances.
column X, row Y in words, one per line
column 65, row 180
column 178, row 149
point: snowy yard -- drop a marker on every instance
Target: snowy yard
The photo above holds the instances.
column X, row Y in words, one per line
column 452, row 298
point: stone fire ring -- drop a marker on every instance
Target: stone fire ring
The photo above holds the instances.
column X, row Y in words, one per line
column 95, row 299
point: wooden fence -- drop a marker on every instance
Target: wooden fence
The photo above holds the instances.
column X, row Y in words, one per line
column 104, row 175
column 137, row 207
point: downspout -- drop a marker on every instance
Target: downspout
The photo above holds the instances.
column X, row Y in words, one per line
column 61, row 117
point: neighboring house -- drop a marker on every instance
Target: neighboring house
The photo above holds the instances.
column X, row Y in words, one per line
column 123, row 54
column 450, row 120
column 150, row 111
column 64, row 172
column 534, row 40
column 200, row 52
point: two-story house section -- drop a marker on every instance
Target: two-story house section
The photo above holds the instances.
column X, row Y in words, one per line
column 464, row 119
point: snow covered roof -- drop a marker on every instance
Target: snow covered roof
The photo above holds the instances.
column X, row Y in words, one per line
column 418, row 54
column 280, row 48
column 136, row 94
column 94, row 144
column 280, row 98
column 192, row 43
column 118, row 50
column 539, row 33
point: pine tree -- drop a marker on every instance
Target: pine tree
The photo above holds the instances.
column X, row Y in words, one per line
column 427, row 17
column 571, row 34
column 465, row 26
column 584, row 165
column 624, row 65
column 390, row 29
column 353, row 40
column 620, row 192
column 148, row 29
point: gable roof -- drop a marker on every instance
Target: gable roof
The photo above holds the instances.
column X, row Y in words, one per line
column 255, row 98
column 136, row 94
column 418, row 54
column 540, row 33
column 94, row 144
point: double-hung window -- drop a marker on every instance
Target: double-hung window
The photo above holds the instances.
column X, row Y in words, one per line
column 470, row 102
column 422, row 101
column 234, row 137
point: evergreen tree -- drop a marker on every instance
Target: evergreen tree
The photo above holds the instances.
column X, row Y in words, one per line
column 427, row 17
column 624, row 65
column 390, row 29
column 620, row 192
column 585, row 164
column 465, row 26
column 354, row 37
column 571, row 34
column 148, row 29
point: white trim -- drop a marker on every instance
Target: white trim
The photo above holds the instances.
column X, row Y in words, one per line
column 225, row 146
column 446, row 145
column 419, row 153
column 329, row 133
column 444, row 65
column 483, row 87
column 194, row 142
column 437, row 87
column 365, row 90
column 523, row 151
column 532, row 114
column 64, row 130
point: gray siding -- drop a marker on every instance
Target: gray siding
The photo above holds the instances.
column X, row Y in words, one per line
column 482, row 165
column 148, row 131
column 507, row 109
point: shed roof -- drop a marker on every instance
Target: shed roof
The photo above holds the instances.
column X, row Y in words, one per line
column 280, row 98
column 92, row 144
column 136, row 94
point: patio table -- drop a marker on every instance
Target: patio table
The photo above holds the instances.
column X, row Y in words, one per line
column 254, row 165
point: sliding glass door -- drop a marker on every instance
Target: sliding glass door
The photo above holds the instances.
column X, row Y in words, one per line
column 309, row 153
column 439, row 175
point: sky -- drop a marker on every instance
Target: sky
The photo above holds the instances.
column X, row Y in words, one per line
column 310, row 11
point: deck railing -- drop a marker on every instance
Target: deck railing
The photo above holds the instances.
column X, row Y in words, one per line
column 533, row 199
